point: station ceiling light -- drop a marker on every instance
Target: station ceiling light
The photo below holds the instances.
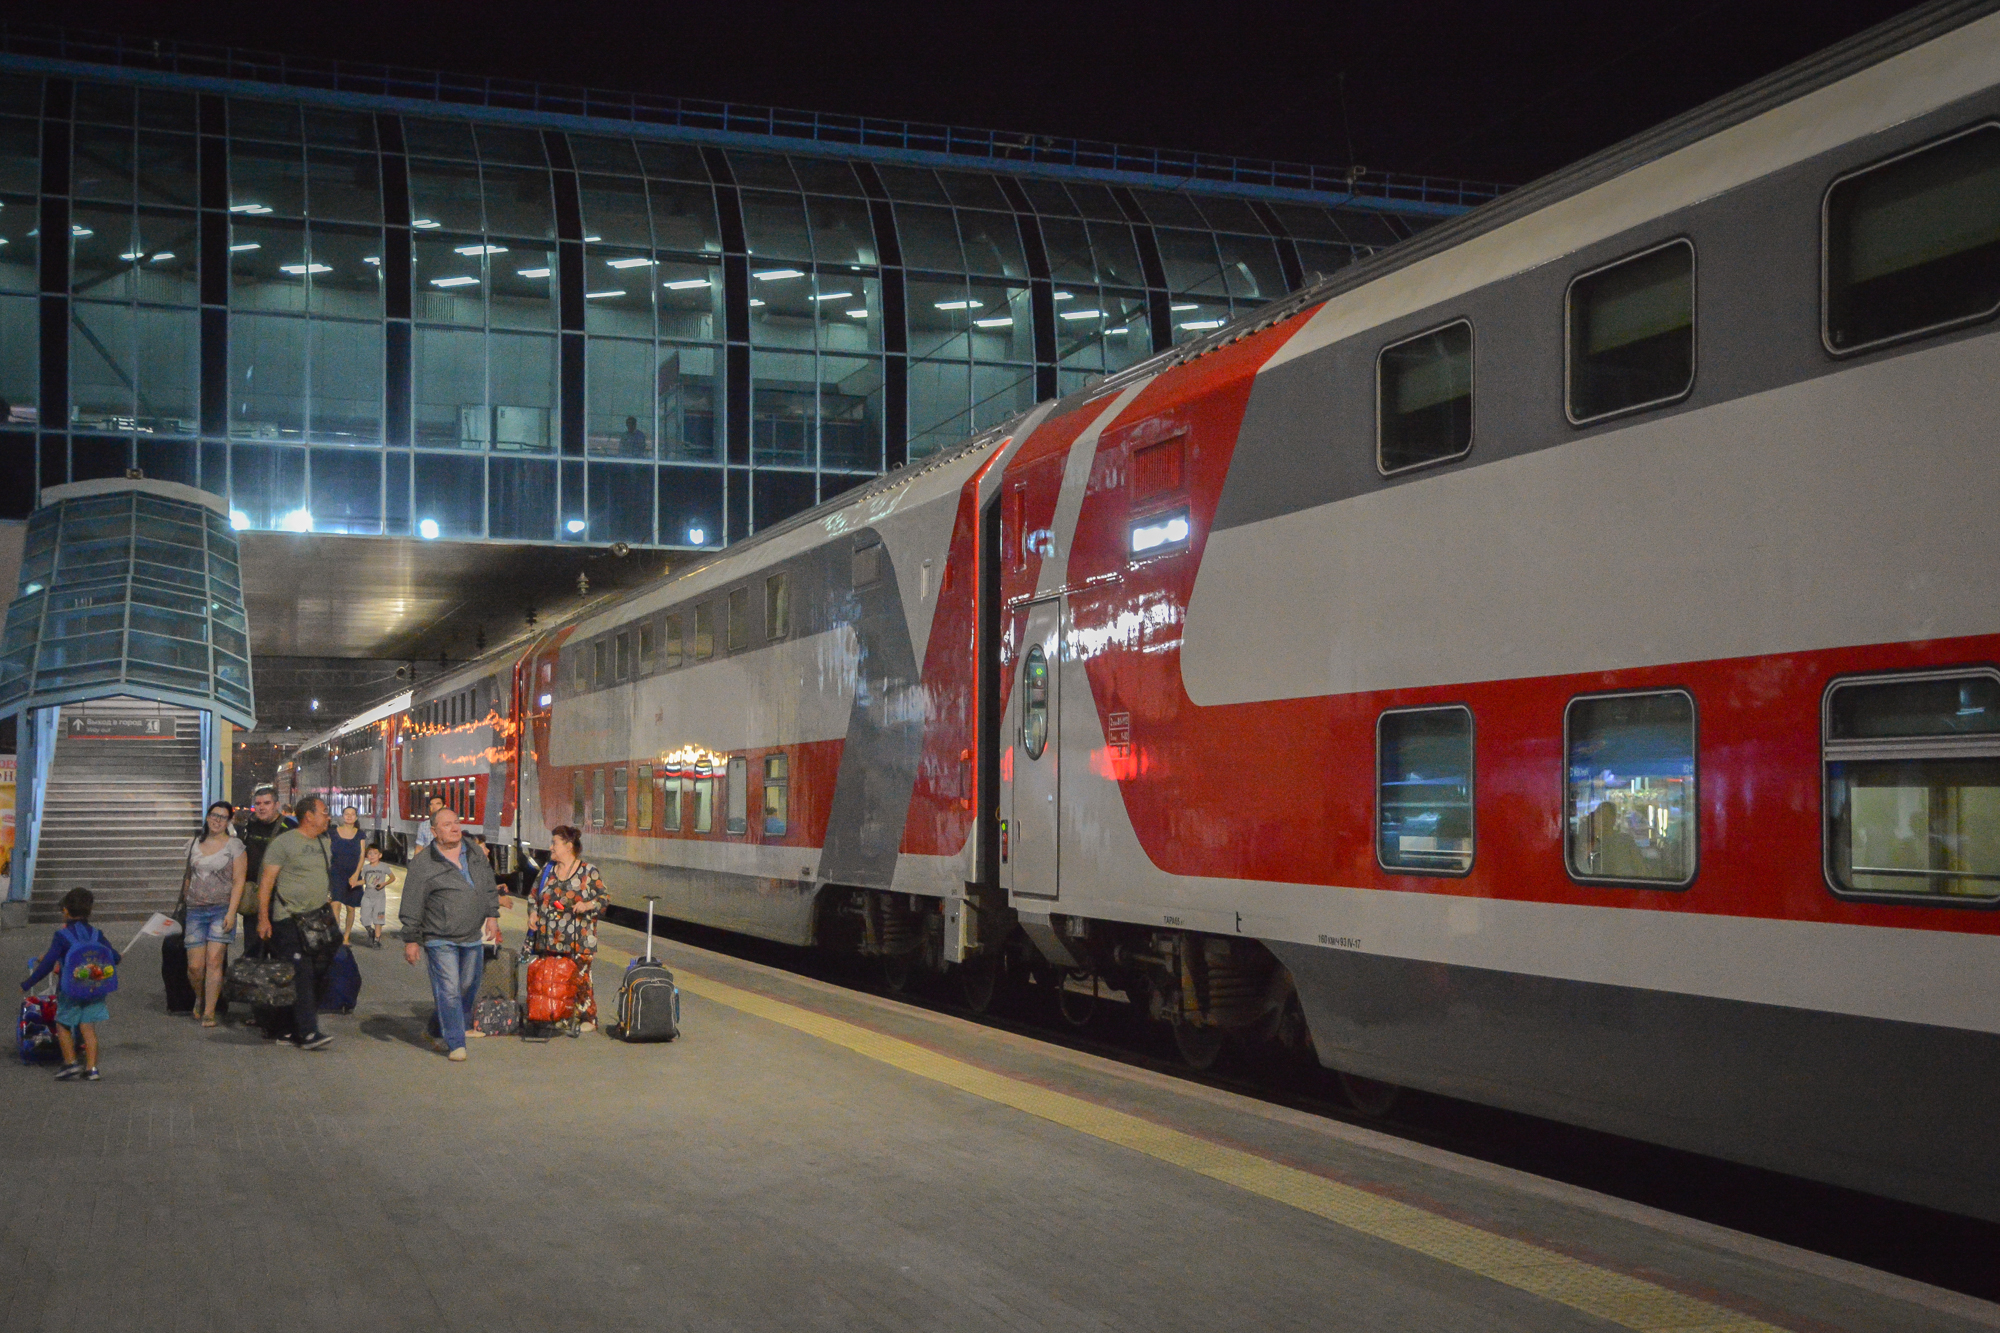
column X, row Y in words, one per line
column 453, row 282
column 778, row 274
column 532, row 272
column 682, row 284
column 628, row 263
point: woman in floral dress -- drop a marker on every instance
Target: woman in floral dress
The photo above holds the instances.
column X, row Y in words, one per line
column 563, row 912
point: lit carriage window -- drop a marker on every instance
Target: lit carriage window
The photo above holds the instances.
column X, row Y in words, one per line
column 1912, row 245
column 867, row 562
column 738, row 795
column 597, row 798
column 673, row 641
column 669, row 788
column 703, row 797
column 618, row 792
column 777, row 606
column 645, row 795
column 1035, row 702
column 1913, row 787
column 1423, row 790
column 777, row 783
column 1423, row 399
column 704, row 631
column 739, row 619
column 1160, row 534
column 1631, row 333
column 1630, row 788
column 624, row 656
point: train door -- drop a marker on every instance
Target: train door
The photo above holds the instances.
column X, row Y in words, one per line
column 1034, row 858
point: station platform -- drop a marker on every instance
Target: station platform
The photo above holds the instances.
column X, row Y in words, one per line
column 805, row 1157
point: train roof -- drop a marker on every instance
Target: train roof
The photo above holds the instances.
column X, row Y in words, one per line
column 395, row 703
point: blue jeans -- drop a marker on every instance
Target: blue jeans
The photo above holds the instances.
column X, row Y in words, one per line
column 455, row 971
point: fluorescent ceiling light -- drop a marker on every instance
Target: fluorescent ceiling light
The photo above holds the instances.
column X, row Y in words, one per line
column 426, row 224
column 164, row 254
column 599, row 296
column 958, row 305
column 833, row 296
column 239, row 249
column 453, row 282
column 303, row 269
column 80, row 232
column 1117, row 332
column 428, row 529
column 254, row 210
column 1065, row 296
column 778, row 274
column 372, row 259
column 135, row 254
column 589, row 239
column 479, row 249
column 574, row 525
column 1203, row 323
column 1167, row 530
column 996, row 322
column 755, row 301
column 627, row 263
column 857, row 314
column 1183, row 307
column 533, row 272
column 685, row 284
column 1083, row 314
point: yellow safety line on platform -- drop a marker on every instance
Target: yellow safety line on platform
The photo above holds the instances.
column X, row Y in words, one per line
column 1629, row 1302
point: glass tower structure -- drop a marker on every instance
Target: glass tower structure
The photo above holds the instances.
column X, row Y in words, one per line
column 408, row 311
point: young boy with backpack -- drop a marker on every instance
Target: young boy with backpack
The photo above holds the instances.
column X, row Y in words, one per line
column 86, row 968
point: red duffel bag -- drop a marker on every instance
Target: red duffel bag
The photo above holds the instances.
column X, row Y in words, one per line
column 551, row 989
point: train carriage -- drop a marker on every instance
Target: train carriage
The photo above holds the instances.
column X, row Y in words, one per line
column 1555, row 662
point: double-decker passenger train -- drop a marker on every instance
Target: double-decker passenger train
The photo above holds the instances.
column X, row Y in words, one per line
column 1555, row 662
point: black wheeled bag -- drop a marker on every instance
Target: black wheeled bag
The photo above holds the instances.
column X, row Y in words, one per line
column 181, row 998
column 649, row 1003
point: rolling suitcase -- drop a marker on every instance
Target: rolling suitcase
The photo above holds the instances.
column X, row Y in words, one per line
column 649, row 1003
column 181, row 998
column 342, row 988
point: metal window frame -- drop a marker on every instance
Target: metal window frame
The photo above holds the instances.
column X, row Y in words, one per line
column 1694, row 801
column 1471, row 788
column 1916, row 747
column 1825, row 251
column 1472, row 394
column 778, row 582
column 1694, row 332
column 783, row 784
column 1033, row 753
column 733, row 786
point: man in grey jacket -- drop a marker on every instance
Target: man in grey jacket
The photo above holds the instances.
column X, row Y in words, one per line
column 448, row 896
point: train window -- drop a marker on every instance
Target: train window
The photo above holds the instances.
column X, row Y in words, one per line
column 646, row 642
column 777, row 606
column 673, row 641
column 1035, row 702
column 704, row 803
column 1630, row 788
column 739, row 619
column 669, row 790
column 738, row 795
column 599, row 662
column 777, row 782
column 1630, row 329
column 1912, row 794
column 867, row 562
column 624, row 657
column 582, row 670
column 1912, row 245
column 579, row 814
column 704, row 631
column 1423, row 399
column 597, row 798
column 645, row 795
column 618, row 797
column 1423, row 790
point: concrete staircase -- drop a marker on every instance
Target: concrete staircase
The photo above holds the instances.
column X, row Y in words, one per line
column 119, row 812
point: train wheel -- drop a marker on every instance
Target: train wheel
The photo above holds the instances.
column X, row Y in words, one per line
column 1371, row 1097
column 1199, row 1047
column 897, row 969
column 1076, row 1007
column 978, row 979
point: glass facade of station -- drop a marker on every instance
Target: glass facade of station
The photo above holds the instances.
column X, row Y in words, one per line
column 128, row 588
column 365, row 319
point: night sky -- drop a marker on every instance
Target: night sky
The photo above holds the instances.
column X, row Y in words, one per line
column 1446, row 87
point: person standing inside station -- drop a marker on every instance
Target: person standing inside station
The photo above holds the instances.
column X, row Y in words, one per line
column 297, row 867
column 449, row 894
column 346, row 843
column 563, row 912
column 374, row 877
column 259, row 831
column 217, row 869
column 427, row 830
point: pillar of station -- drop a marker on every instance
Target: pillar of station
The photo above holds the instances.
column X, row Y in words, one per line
column 126, row 659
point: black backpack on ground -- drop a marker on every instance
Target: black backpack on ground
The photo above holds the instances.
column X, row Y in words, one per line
column 649, row 1003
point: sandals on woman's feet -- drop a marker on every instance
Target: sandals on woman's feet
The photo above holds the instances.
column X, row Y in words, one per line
column 208, row 1021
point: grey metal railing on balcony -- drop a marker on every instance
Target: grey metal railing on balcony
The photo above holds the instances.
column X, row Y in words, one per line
column 997, row 146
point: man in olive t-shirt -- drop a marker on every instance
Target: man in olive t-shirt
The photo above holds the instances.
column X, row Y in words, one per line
column 297, row 866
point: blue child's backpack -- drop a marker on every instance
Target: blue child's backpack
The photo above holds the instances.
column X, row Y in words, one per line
column 89, row 965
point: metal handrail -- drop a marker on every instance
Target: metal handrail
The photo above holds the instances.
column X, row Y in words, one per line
column 1172, row 165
